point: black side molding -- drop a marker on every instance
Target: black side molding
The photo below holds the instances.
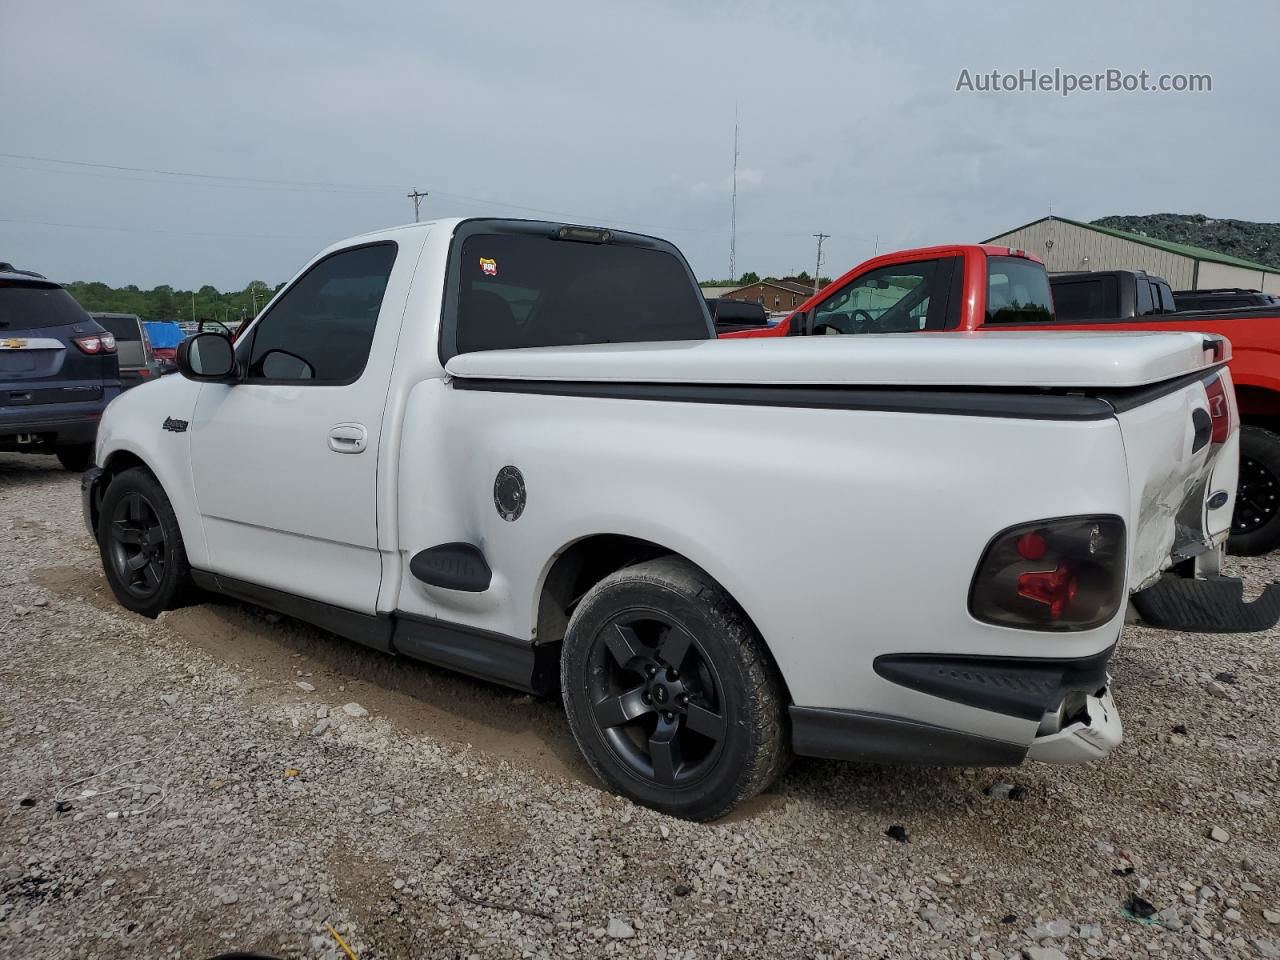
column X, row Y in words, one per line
column 1215, row 605
column 877, row 738
column 497, row 657
column 956, row 401
column 454, row 566
column 509, row 661
column 1015, row 686
column 370, row 630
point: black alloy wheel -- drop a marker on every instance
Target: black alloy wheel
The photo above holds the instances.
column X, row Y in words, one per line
column 1257, row 497
column 1255, row 522
column 137, row 547
column 657, row 699
column 670, row 692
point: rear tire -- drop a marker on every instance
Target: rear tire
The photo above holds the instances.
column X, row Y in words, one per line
column 76, row 457
column 1255, row 524
column 670, row 692
column 141, row 545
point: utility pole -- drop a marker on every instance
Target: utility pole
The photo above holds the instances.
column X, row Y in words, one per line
column 733, row 204
column 193, row 306
column 817, row 270
column 416, row 197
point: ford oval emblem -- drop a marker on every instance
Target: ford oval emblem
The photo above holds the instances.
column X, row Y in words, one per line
column 1218, row 500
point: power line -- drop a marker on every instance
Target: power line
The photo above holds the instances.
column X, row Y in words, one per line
column 200, row 176
column 86, row 168
column 178, row 233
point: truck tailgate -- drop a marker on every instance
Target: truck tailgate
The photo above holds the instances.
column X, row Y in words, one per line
column 1181, row 447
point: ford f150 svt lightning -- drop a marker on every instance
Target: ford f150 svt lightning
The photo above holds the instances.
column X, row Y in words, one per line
column 515, row 448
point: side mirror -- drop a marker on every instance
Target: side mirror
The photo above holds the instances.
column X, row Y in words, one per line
column 207, row 357
column 797, row 326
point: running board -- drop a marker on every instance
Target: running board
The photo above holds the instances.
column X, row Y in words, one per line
column 1215, row 605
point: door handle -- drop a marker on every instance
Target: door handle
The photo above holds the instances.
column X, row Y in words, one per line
column 348, row 438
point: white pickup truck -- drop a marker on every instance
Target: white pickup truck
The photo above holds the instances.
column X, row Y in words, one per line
column 515, row 449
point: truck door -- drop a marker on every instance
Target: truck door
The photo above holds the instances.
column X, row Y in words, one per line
column 899, row 298
column 285, row 460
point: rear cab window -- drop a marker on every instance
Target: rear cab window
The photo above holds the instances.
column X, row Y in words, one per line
column 1086, row 298
column 522, row 286
column 1017, row 291
column 26, row 305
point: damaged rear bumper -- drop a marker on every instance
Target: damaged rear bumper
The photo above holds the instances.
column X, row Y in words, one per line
column 1210, row 605
column 1088, row 734
column 1067, row 701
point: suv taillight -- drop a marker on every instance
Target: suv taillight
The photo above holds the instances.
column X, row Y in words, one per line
column 1219, row 410
column 96, row 343
column 1063, row 574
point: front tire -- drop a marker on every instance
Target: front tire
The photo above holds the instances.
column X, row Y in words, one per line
column 141, row 545
column 1255, row 524
column 670, row 692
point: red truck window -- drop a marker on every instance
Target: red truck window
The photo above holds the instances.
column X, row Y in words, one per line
column 1017, row 291
column 900, row 298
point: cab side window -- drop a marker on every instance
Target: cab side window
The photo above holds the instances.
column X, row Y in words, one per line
column 902, row 298
column 321, row 329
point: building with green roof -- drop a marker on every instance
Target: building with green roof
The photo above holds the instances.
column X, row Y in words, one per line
column 1068, row 245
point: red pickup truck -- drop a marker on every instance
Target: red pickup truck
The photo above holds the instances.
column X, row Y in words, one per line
column 971, row 287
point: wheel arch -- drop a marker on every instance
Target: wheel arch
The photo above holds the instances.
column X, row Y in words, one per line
column 1259, row 405
column 582, row 563
column 168, row 472
column 115, row 463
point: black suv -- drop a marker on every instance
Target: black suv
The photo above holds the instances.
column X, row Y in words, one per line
column 58, row 370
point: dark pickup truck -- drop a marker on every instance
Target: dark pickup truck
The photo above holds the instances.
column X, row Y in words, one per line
column 1223, row 298
column 1132, row 299
column 1110, row 295
column 58, row 370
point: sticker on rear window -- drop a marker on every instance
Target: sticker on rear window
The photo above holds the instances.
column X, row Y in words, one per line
column 489, row 266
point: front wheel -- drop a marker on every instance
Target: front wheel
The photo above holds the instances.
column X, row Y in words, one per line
column 1255, row 524
column 141, row 545
column 670, row 693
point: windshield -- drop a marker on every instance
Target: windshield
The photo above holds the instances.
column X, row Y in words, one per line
column 1017, row 291
column 518, row 290
column 24, row 306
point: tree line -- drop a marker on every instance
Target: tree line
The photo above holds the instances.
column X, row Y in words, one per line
column 166, row 303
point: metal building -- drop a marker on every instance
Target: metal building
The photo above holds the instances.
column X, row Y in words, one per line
column 1066, row 245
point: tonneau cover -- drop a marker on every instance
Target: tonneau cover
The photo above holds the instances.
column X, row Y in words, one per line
column 1031, row 359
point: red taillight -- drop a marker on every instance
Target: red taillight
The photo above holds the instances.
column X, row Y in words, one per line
column 1031, row 546
column 95, row 343
column 1063, row 574
column 1054, row 588
column 1219, row 410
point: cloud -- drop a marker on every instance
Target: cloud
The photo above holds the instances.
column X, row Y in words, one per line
column 619, row 114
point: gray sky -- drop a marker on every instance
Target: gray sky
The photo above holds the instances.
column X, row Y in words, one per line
column 606, row 113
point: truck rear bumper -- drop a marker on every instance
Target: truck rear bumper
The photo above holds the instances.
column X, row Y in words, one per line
column 1092, row 736
column 1094, row 732
column 1068, row 698
column 1211, row 605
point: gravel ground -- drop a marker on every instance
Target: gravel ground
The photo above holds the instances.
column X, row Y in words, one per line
column 258, row 780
